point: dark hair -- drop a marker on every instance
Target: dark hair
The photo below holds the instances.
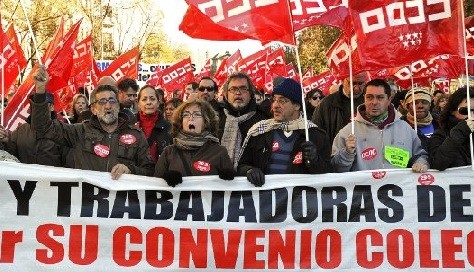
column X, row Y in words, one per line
column 312, row 92
column 194, row 84
column 452, row 105
column 126, row 83
column 103, row 88
column 240, row 75
column 174, row 101
column 377, row 82
column 216, row 88
column 145, row 87
column 209, row 116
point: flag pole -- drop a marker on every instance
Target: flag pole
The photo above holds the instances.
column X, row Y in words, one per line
column 305, row 116
column 351, row 86
column 3, row 75
column 413, row 97
column 31, row 33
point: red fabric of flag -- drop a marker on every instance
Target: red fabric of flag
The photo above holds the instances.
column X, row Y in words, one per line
column 126, row 65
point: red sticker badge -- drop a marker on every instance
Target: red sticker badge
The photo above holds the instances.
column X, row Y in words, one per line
column 101, row 150
column 298, row 158
column 128, row 139
column 202, row 166
column 369, row 154
column 379, row 174
column 275, row 146
column 426, row 179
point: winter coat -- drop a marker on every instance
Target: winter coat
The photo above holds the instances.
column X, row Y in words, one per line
column 94, row 148
column 372, row 141
column 160, row 136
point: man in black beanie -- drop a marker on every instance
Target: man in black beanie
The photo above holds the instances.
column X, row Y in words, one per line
column 278, row 145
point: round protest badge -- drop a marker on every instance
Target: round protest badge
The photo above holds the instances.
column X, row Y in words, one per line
column 101, row 150
column 379, row 174
column 298, row 158
column 275, row 146
column 202, row 166
column 128, row 139
column 369, row 153
column 426, row 179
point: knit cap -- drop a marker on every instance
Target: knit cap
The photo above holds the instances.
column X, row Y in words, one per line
column 290, row 89
column 420, row 93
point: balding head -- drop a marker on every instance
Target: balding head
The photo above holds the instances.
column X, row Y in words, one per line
column 107, row 80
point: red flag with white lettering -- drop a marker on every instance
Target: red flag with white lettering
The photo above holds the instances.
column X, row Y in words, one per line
column 338, row 57
column 323, row 81
column 155, row 78
column 176, row 76
column 13, row 38
column 469, row 25
column 126, row 65
column 291, row 72
column 58, row 62
column 306, row 13
column 308, row 73
column 85, row 71
column 391, row 33
column 9, row 62
column 263, row 20
column 276, row 63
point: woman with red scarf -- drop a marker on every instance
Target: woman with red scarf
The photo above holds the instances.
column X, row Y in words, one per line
column 152, row 121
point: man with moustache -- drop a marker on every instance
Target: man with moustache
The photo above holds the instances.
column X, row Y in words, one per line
column 239, row 112
column 334, row 111
column 104, row 143
column 207, row 91
column 279, row 146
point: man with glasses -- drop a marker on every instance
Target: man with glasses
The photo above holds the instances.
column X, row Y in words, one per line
column 334, row 112
column 207, row 91
column 128, row 89
column 238, row 114
column 381, row 140
column 104, row 143
column 279, row 146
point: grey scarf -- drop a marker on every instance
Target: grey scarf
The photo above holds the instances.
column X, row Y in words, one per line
column 231, row 137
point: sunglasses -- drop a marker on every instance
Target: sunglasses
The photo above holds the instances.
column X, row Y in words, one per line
column 463, row 110
column 204, row 88
column 316, row 97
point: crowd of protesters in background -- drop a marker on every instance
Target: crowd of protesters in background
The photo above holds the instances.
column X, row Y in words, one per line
column 237, row 129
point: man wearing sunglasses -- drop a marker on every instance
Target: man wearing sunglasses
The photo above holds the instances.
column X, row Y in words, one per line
column 207, row 91
column 334, row 112
column 105, row 143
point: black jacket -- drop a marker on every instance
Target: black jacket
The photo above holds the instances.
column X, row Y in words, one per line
column 334, row 112
column 257, row 153
column 160, row 136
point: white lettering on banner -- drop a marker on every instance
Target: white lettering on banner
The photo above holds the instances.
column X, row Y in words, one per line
column 20, row 118
column 316, row 9
column 341, row 53
column 216, row 10
column 417, row 66
column 470, row 33
column 179, row 72
column 81, row 50
column 7, row 53
column 374, row 20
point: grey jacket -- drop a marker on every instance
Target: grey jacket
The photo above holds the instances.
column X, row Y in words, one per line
column 372, row 141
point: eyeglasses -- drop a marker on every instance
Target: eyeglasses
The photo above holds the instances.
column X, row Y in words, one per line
column 103, row 101
column 132, row 95
column 463, row 110
column 241, row 89
column 196, row 114
column 316, row 97
column 204, row 88
column 280, row 101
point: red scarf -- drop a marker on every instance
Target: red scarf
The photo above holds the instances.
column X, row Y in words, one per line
column 147, row 122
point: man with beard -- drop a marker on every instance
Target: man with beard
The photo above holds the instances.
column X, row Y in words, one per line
column 279, row 146
column 127, row 96
column 239, row 113
column 334, row 111
column 207, row 91
column 104, row 143
column 380, row 140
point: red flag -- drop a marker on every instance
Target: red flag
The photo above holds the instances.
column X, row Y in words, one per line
column 57, row 64
column 322, row 81
column 291, row 72
column 63, row 99
column 13, row 38
column 250, row 60
column 469, row 24
column 126, row 65
column 308, row 73
column 254, row 66
column 232, row 61
column 338, row 57
column 392, row 33
column 176, row 76
column 155, row 78
column 266, row 21
column 9, row 62
column 307, row 13
column 220, row 75
column 205, row 71
column 276, row 63
column 85, row 71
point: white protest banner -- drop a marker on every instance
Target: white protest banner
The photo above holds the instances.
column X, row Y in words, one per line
column 56, row 219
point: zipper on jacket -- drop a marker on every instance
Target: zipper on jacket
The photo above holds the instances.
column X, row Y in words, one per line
column 110, row 151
